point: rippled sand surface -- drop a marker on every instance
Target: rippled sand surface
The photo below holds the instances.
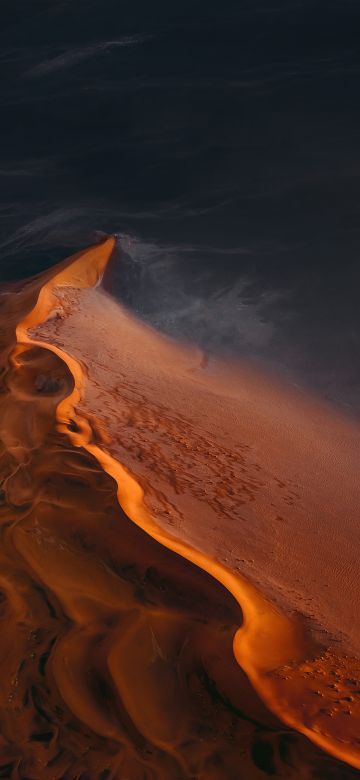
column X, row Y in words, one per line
column 178, row 554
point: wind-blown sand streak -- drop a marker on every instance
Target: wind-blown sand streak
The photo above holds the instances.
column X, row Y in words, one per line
column 268, row 640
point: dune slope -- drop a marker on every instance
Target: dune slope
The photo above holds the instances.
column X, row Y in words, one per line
column 116, row 640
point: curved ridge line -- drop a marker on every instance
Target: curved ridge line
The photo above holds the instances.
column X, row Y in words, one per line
column 263, row 625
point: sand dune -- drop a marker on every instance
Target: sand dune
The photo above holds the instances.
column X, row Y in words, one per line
column 159, row 513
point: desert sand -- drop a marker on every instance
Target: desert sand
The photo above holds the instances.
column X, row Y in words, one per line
column 179, row 552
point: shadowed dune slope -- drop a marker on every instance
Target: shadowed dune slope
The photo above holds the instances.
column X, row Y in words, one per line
column 116, row 658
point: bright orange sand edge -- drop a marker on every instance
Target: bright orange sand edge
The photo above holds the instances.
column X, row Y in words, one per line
column 268, row 640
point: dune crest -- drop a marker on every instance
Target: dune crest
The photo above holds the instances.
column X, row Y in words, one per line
column 302, row 681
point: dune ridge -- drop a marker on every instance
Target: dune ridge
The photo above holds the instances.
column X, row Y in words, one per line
column 267, row 641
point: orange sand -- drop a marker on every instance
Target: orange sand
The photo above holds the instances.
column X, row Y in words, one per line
column 235, row 474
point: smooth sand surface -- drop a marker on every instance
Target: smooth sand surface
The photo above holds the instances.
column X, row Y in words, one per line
column 278, row 469
column 251, row 481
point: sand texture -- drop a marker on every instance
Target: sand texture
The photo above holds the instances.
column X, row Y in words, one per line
column 179, row 550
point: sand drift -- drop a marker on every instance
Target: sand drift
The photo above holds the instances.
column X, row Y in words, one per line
column 179, row 553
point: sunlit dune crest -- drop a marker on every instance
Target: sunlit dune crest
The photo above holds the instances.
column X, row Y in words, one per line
column 125, row 651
